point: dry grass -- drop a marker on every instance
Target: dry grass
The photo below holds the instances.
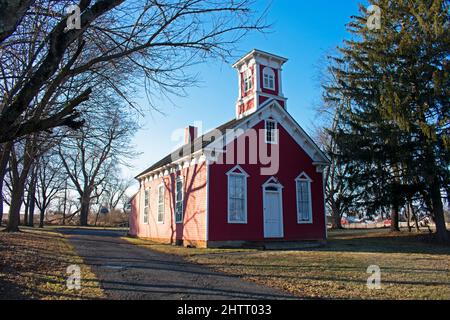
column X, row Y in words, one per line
column 411, row 268
column 182, row 251
column 33, row 265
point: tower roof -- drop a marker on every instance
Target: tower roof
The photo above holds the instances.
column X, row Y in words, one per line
column 259, row 53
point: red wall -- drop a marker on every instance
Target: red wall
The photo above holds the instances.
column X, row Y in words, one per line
column 293, row 161
column 263, row 99
column 244, row 107
column 194, row 226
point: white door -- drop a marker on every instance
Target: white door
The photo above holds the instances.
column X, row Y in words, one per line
column 273, row 219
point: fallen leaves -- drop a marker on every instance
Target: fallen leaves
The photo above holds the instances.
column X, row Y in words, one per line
column 33, row 265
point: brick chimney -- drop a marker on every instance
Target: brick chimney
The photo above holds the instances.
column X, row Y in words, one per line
column 190, row 134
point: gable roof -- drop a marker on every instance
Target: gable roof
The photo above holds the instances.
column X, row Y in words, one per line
column 207, row 139
column 199, row 144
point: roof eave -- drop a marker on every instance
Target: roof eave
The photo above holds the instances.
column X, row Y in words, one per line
column 260, row 52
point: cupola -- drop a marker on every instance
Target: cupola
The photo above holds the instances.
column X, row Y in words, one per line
column 260, row 75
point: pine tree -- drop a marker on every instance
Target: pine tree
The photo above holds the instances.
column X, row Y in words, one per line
column 396, row 128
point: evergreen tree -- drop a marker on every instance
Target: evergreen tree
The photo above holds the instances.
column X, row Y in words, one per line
column 395, row 130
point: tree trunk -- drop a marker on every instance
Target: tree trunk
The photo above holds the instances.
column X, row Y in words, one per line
column 41, row 218
column 416, row 219
column 408, row 220
column 394, row 219
column 84, row 211
column 438, row 211
column 336, row 218
column 14, row 210
column 96, row 217
column 1, row 201
column 27, row 206
column 18, row 187
column 31, row 207
column 4, row 157
column 65, row 204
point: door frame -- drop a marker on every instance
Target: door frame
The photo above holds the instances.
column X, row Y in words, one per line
column 274, row 183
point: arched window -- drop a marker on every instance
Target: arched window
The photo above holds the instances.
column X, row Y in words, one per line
column 248, row 80
column 146, row 205
column 160, row 206
column 269, row 78
column 237, row 195
column 271, row 132
column 304, row 199
column 179, row 197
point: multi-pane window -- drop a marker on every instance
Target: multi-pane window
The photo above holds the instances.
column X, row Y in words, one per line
column 161, row 204
column 237, row 197
column 304, row 204
column 248, row 80
column 271, row 132
column 146, row 205
column 179, row 201
column 269, row 78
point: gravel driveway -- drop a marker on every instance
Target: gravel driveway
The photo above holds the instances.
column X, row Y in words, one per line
column 127, row 271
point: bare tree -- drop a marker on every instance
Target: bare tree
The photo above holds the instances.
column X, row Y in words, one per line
column 5, row 150
column 53, row 77
column 340, row 196
column 29, row 200
column 13, row 12
column 21, row 160
column 51, row 178
column 154, row 39
column 94, row 153
column 115, row 191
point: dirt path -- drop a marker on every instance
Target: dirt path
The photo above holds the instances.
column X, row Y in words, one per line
column 127, row 271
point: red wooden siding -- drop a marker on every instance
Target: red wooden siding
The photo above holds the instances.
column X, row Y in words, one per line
column 293, row 161
column 249, row 105
column 194, row 225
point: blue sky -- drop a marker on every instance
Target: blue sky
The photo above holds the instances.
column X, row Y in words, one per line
column 303, row 31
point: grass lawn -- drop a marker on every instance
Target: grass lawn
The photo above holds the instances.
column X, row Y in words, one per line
column 33, row 265
column 411, row 268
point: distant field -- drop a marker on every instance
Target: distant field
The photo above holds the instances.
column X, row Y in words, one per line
column 410, row 267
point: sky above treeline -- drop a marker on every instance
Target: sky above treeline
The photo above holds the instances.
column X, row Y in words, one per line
column 303, row 31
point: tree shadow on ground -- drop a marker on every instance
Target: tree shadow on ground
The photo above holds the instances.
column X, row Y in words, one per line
column 387, row 243
column 12, row 291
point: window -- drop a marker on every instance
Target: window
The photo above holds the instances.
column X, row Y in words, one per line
column 161, row 204
column 179, row 201
column 269, row 78
column 248, row 80
column 146, row 205
column 237, row 196
column 304, row 203
column 271, row 132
